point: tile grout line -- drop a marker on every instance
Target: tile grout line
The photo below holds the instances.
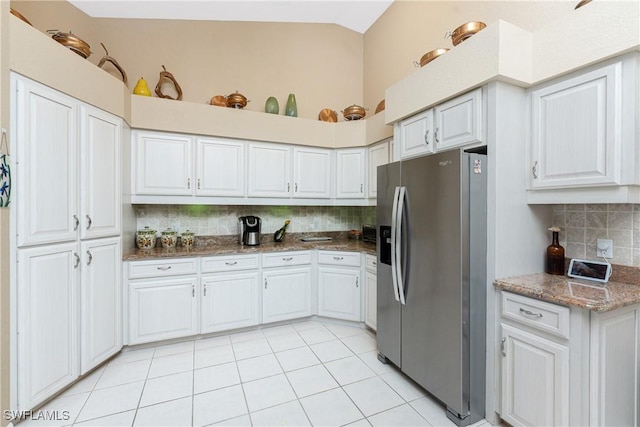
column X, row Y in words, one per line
column 135, row 415
column 244, row 394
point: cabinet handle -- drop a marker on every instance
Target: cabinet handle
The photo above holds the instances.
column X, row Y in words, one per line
column 193, row 291
column 289, row 258
column 231, row 263
column 265, row 283
column 205, row 290
column 502, row 350
column 168, row 267
column 375, row 263
column 89, row 222
column 357, row 280
column 531, row 313
column 338, row 258
column 534, row 170
column 198, row 183
column 77, row 260
column 76, row 222
column 288, row 187
column 90, row 257
column 296, row 187
column 426, row 137
column 361, row 187
column 188, row 183
column 435, row 135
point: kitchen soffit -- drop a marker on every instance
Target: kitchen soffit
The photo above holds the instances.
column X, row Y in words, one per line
column 357, row 15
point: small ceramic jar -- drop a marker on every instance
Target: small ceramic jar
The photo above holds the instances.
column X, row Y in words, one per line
column 146, row 238
column 187, row 239
column 169, row 238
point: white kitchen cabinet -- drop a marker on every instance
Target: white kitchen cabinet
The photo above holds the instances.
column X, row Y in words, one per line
column 101, row 302
column 351, row 176
column 535, row 380
column 99, row 173
column 578, row 119
column 163, row 164
column 229, row 301
column 415, row 135
column 311, row 173
column 459, row 121
column 378, row 155
column 286, row 293
column 47, row 323
column 220, row 167
column 339, row 293
column 162, row 308
column 371, row 292
column 269, row 170
column 46, row 190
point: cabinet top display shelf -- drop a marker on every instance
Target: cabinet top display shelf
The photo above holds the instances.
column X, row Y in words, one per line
column 572, row 292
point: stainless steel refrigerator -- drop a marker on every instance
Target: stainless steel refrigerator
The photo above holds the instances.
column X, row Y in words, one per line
column 431, row 219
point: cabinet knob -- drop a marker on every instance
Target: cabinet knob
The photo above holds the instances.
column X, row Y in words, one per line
column 89, row 222
column 90, row 257
column 534, row 170
column 76, row 222
column 502, row 350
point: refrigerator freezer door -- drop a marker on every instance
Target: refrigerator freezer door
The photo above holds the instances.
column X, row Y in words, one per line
column 432, row 326
column 388, row 332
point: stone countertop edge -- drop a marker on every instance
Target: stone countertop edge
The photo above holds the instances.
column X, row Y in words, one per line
column 237, row 249
column 571, row 292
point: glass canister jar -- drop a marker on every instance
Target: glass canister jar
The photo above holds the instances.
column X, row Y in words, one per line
column 187, row 239
column 169, row 238
column 146, row 238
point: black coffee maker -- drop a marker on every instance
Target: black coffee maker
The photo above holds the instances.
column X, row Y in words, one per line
column 249, row 229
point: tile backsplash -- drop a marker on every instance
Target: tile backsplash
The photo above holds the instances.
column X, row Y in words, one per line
column 208, row 220
column 583, row 224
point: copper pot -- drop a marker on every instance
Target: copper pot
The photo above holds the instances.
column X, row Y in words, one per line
column 465, row 31
column 354, row 112
column 380, row 107
column 430, row 56
column 328, row 115
column 218, row 101
column 237, row 100
column 73, row 42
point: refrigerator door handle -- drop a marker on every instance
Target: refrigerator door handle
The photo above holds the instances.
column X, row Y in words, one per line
column 398, row 248
column 394, row 266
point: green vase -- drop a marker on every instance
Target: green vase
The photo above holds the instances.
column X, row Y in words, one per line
column 291, row 108
column 271, row 106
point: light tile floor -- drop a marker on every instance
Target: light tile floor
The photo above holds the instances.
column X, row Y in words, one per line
column 299, row 374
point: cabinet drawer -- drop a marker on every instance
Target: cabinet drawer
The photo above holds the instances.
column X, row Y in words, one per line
column 162, row 268
column 286, row 259
column 351, row 259
column 370, row 262
column 541, row 315
column 229, row 263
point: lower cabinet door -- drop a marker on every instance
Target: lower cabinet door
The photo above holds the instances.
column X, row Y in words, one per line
column 286, row 294
column 162, row 309
column 47, row 321
column 371, row 300
column 339, row 293
column 100, row 306
column 229, row 301
column 535, row 380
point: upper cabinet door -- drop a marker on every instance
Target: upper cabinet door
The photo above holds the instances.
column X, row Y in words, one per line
column 46, row 164
column 415, row 135
column 163, row 164
column 100, row 173
column 378, row 155
column 311, row 173
column 459, row 121
column 576, row 131
column 220, row 168
column 350, row 178
column 269, row 170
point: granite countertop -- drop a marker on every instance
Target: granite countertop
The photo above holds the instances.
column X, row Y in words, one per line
column 572, row 292
column 228, row 245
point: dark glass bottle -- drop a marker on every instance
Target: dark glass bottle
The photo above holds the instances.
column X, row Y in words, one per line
column 555, row 256
column 278, row 236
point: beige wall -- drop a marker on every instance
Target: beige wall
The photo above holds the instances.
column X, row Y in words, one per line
column 4, row 220
column 320, row 63
column 409, row 29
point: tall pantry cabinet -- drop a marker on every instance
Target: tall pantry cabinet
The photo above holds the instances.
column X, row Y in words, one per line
column 67, row 238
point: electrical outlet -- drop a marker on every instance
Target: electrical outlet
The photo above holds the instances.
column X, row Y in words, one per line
column 604, row 248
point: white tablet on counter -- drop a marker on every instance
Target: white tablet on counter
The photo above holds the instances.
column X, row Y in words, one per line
column 590, row 270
